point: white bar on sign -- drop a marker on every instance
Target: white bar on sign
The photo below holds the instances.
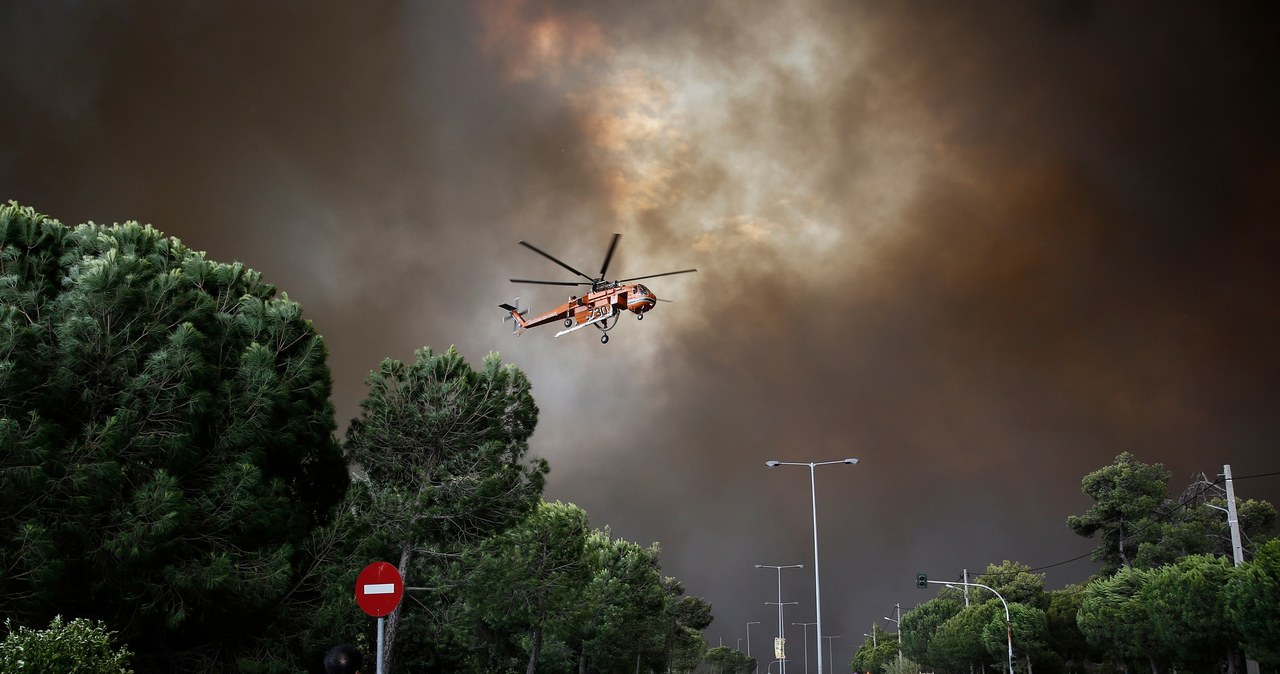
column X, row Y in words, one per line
column 382, row 588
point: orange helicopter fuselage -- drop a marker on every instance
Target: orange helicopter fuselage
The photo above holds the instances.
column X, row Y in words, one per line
column 594, row 305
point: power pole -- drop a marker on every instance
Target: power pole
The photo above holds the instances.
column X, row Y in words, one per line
column 1237, row 550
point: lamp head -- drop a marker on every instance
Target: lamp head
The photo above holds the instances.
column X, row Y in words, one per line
column 850, row 460
column 772, row 464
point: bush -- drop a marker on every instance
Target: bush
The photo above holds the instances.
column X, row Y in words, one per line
column 78, row 647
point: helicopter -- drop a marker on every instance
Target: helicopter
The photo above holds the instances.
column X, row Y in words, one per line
column 601, row 306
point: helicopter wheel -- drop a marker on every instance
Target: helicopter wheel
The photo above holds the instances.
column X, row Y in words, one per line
column 639, row 317
column 604, row 339
column 568, row 322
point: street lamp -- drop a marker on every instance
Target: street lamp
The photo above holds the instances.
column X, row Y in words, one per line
column 813, row 491
column 829, row 658
column 898, row 622
column 783, row 666
column 806, row 644
column 753, row 622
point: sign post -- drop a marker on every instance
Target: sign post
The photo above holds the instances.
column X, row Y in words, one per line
column 379, row 589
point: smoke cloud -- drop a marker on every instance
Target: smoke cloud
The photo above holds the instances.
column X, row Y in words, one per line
column 984, row 249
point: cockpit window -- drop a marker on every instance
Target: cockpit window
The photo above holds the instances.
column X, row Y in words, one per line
column 641, row 288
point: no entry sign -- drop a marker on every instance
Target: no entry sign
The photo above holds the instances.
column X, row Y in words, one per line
column 379, row 589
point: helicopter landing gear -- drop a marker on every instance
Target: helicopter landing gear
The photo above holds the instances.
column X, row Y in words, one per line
column 604, row 339
column 568, row 322
column 639, row 317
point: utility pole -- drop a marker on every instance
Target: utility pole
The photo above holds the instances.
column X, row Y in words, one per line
column 1237, row 550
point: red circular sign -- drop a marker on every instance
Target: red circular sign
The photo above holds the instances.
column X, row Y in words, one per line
column 379, row 589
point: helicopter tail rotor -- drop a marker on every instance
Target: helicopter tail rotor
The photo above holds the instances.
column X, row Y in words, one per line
column 514, row 314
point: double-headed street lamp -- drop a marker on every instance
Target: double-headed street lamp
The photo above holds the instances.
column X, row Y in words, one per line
column 806, row 644
column 813, row 491
column 829, row 658
column 779, row 569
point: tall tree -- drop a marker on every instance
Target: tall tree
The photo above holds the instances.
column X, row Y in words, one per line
column 1196, row 523
column 920, row 625
column 444, row 448
column 1015, row 582
column 957, row 645
column 1026, row 630
column 1064, row 638
column 1252, row 603
column 165, row 439
column 1187, row 595
column 1114, row 619
column 1125, row 495
column 527, row 580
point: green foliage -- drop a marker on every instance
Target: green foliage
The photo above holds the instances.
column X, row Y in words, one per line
column 1251, row 602
column 895, row 666
column 1115, row 620
column 957, row 645
column 78, row 647
column 166, row 439
column 727, row 660
column 1064, row 638
column 1196, row 524
column 444, row 449
column 876, row 653
column 1015, row 582
column 1187, row 597
column 1029, row 628
column 444, row 445
column 1125, row 496
column 526, row 580
column 921, row 624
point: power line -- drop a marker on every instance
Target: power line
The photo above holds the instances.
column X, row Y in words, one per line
column 1165, row 517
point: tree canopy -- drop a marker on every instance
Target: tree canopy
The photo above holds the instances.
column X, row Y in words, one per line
column 166, row 438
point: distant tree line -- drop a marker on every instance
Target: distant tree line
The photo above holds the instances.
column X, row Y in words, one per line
column 1168, row 596
column 173, row 496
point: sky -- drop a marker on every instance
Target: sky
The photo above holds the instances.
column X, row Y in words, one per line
column 982, row 247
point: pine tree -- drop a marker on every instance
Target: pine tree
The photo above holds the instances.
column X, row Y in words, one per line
column 166, row 439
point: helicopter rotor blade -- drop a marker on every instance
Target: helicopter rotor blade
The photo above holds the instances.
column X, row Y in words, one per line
column 609, row 255
column 547, row 255
column 550, row 283
column 637, row 278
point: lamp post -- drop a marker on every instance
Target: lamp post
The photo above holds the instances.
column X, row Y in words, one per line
column 783, row 666
column 898, row 622
column 813, row 491
column 1008, row 622
column 829, row 658
column 782, row 642
column 806, row 644
column 753, row 622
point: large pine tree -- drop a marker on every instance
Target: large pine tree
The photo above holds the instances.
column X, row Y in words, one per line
column 166, row 439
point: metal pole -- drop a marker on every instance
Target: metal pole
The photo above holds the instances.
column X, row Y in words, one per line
column 817, row 576
column 806, row 644
column 1237, row 549
column 382, row 621
column 781, row 619
column 829, row 639
column 753, row 622
column 898, row 622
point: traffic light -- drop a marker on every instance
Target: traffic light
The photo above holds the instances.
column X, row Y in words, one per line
column 922, row 580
